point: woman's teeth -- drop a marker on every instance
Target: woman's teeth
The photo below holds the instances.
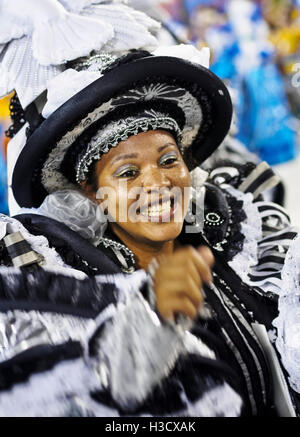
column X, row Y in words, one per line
column 158, row 210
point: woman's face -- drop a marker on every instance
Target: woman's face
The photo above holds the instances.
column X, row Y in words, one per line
column 145, row 186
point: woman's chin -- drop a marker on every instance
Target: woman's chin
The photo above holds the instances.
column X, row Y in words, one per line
column 160, row 231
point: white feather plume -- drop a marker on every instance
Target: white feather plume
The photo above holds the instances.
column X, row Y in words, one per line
column 38, row 37
column 76, row 5
column 58, row 41
column 19, row 70
column 79, row 5
column 11, row 28
column 129, row 34
column 152, row 8
column 145, row 20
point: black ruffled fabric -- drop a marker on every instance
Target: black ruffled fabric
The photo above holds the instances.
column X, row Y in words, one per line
column 46, row 291
column 235, row 238
column 37, row 359
column 73, row 249
column 225, row 237
column 17, row 116
column 235, row 181
column 5, row 259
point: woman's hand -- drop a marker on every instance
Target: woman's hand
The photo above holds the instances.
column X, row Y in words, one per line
column 178, row 281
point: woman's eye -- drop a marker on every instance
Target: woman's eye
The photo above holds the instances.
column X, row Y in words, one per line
column 168, row 161
column 131, row 173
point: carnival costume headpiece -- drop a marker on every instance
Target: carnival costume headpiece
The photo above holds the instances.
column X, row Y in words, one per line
column 105, row 82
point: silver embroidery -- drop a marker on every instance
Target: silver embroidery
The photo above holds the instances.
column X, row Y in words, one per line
column 20, row 330
column 98, row 62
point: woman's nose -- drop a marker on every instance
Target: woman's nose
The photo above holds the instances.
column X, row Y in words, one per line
column 154, row 178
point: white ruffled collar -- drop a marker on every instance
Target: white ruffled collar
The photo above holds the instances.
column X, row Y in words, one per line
column 76, row 211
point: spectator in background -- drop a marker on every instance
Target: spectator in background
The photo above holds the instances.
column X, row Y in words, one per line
column 238, row 35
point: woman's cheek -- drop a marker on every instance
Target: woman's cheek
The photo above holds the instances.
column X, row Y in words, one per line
column 126, row 200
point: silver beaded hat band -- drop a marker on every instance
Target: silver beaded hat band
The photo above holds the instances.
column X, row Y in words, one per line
column 121, row 130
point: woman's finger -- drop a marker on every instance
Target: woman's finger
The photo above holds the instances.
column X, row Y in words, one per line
column 178, row 305
column 174, row 289
column 201, row 265
column 207, row 255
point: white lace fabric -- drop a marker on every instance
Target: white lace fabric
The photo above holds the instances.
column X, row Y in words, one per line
column 76, row 211
column 288, row 320
column 251, row 230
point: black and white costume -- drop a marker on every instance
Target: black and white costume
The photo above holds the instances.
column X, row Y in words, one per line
column 79, row 330
column 72, row 326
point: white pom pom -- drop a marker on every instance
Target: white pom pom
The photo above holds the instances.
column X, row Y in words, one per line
column 72, row 36
column 66, row 85
column 186, row 51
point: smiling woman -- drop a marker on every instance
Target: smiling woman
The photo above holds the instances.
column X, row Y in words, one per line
column 132, row 282
column 152, row 167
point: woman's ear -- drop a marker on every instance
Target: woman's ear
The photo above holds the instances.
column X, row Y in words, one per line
column 88, row 191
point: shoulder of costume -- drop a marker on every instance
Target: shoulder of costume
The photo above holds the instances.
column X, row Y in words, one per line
column 223, row 209
column 69, row 244
column 246, row 178
column 234, row 202
column 260, row 233
column 56, row 242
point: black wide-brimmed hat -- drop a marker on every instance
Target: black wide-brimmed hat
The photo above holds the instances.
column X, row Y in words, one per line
column 143, row 86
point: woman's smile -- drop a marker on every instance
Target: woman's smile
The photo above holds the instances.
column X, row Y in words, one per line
column 162, row 210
